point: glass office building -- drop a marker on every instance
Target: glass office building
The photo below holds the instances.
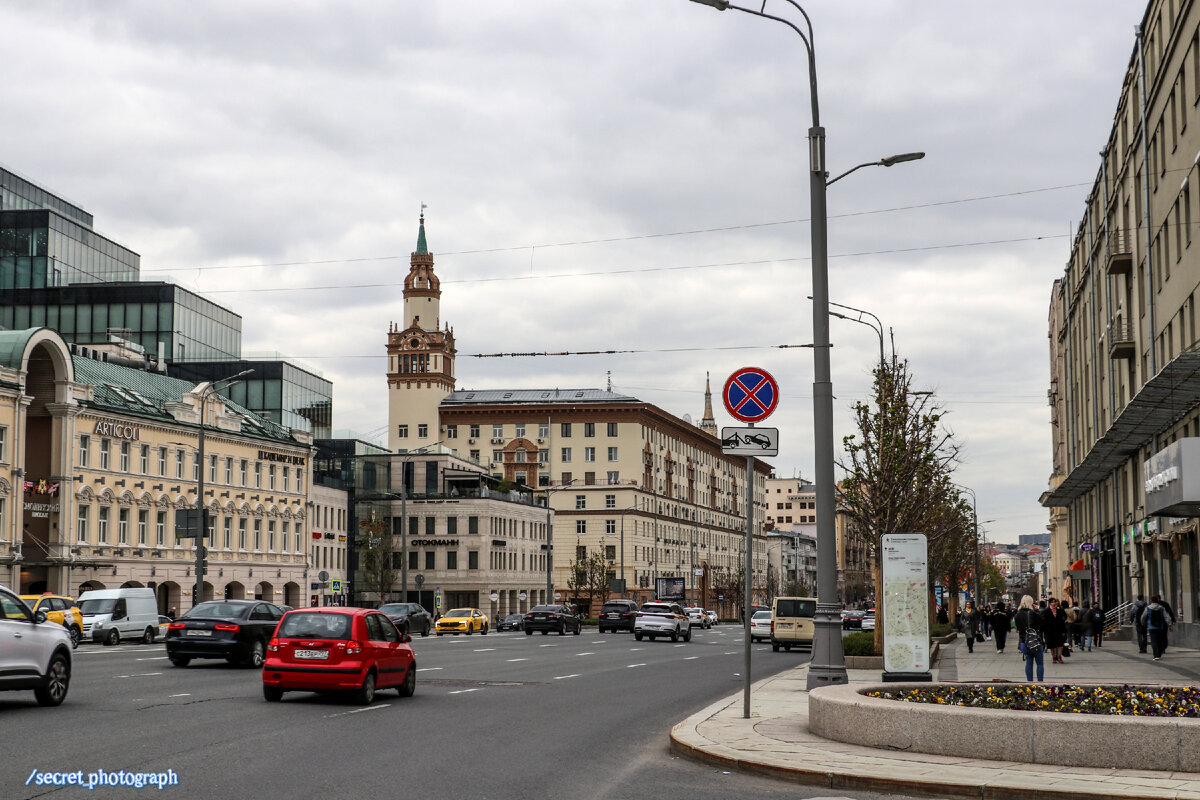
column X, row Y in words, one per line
column 278, row 390
column 155, row 315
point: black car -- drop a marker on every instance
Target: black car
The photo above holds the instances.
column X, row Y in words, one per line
column 410, row 618
column 235, row 630
column 552, row 618
column 513, row 622
column 617, row 615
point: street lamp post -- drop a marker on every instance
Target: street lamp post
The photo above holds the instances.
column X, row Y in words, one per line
column 202, row 535
column 828, row 665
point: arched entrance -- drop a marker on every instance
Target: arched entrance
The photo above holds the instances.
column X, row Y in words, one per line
column 90, row 585
column 264, row 591
column 168, row 598
column 235, row 590
column 291, row 594
column 131, row 585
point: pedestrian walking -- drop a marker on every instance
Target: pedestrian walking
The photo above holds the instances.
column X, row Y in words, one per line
column 968, row 623
column 1096, row 624
column 1158, row 620
column 1030, row 623
column 1073, row 616
column 1139, row 625
column 1001, row 622
column 1085, row 626
column 1055, row 628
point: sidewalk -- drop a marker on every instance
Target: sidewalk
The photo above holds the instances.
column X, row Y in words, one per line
column 775, row 740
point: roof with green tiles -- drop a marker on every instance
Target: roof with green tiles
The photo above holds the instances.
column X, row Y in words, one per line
column 12, row 346
column 137, row 393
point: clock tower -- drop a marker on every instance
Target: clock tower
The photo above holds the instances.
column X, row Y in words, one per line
column 420, row 356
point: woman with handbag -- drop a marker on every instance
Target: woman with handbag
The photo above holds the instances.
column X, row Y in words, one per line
column 969, row 623
column 1030, row 625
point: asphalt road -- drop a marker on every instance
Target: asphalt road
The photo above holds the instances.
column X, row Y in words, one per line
column 501, row 716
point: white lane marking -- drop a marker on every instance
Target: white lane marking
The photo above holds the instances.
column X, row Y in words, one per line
column 463, row 691
column 599, row 641
column 430, row 669
column 514, row 660
column 681, row 645
column 485, row 650
column 631, row 666
column 547, row 645
column 564, row 677
column 185, row 694
column 358, row 710
column 138, row 675
column 634, row 649
column 731, row 652
column 691, row 658
column 585, row 654
column 153, row 658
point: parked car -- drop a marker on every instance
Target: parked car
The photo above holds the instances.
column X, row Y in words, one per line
column 110, row 615
column 792, row 622
column 408, row 617
column 617, row 615
column 60, row 609
column 235, row 630
column 164, row 625
column 513, row 622
column 697, row 617
column 868, row 620
column 338, row 649
column 557, row 618
column 35, row 653
column 760, row 626
column 852, row 619
column 462, row 620
column 662, row 619
column 712, row 617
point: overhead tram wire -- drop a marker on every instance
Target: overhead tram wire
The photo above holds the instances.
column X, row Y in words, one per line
column 638, row 237
column 641, row 270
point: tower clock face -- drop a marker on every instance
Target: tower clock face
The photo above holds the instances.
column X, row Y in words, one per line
column 414, row 342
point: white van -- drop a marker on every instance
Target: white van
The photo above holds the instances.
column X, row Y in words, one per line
column 110, row 615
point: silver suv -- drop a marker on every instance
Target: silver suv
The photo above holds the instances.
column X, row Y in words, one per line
column 662, row 619
column 34, row 653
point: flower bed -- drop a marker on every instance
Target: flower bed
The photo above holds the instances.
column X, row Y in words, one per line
column 1141, row 701
column 1149, row 727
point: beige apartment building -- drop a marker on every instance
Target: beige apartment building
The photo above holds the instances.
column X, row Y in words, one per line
column 327, row 549
column 1125, row 379
column 96, row 459
column 648, row 490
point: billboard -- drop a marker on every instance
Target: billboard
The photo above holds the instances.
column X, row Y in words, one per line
column 670, row 589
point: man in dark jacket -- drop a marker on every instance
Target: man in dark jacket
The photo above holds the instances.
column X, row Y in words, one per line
column 1000, row 622
column 1139, row 626
column 1158, row 618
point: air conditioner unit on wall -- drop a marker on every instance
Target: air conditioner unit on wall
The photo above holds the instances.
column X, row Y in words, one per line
column 470, row 441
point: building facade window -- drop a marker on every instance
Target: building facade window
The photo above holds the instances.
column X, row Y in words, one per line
column 143, row 525
column 160, row 528
column 472, row 525
column 610, row 501
column 474, row 431
column 451, row 559
column 422, row 431
column 589, row 429
column 472, row 559
column 105, row 447
column 612, row 454
column 589, row 454
column 429, row 555
column 162, row 461
column 497, row 431
column 451, row 431
column 124, row 460
column 565, row 456
column 612, row 429
column 565, row 429
column 123, row 526
column 84, row 443
column 402, row 432
column 102, row 525
column 81, row 523
column 543, row 430
column 614, row 477
column 580, row 501
column 610, row 526
column 519, row 430
column 144, row 460
column 580, row 527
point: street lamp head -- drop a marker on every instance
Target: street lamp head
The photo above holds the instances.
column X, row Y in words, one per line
column 719, row 5
column 898, row 159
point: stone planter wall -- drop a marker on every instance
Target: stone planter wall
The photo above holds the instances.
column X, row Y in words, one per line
column 845, row 714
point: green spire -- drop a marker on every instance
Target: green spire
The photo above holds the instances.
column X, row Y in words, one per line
column 422, row 248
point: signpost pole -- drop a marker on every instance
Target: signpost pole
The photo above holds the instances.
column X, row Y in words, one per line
column 749, row 583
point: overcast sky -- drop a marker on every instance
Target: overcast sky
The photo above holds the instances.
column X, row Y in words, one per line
column 600, row 175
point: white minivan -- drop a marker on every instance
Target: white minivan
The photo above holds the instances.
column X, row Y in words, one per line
column 110, row 615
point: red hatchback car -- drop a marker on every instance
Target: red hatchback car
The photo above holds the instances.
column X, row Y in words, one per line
column 337, row 649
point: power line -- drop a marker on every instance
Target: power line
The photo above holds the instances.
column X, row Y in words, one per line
column 646, row 270
column 636, row 237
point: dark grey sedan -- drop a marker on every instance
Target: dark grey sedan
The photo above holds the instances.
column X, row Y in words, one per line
column 410, row 618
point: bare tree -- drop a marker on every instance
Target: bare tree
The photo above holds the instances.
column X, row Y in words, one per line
column 589, row 577
column 377, row 557
column 898, row 463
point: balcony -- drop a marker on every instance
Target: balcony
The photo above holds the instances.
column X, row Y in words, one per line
column 1120, row 252
column 1121, row 341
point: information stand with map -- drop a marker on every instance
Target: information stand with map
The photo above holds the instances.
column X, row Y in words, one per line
column 905, row 607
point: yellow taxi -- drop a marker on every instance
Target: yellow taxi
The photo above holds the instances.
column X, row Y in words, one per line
column 60, row 609
column 462, row 620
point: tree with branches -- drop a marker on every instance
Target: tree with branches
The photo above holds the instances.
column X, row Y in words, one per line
column 590, row 577
column 377, row 556
column 897, row 462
